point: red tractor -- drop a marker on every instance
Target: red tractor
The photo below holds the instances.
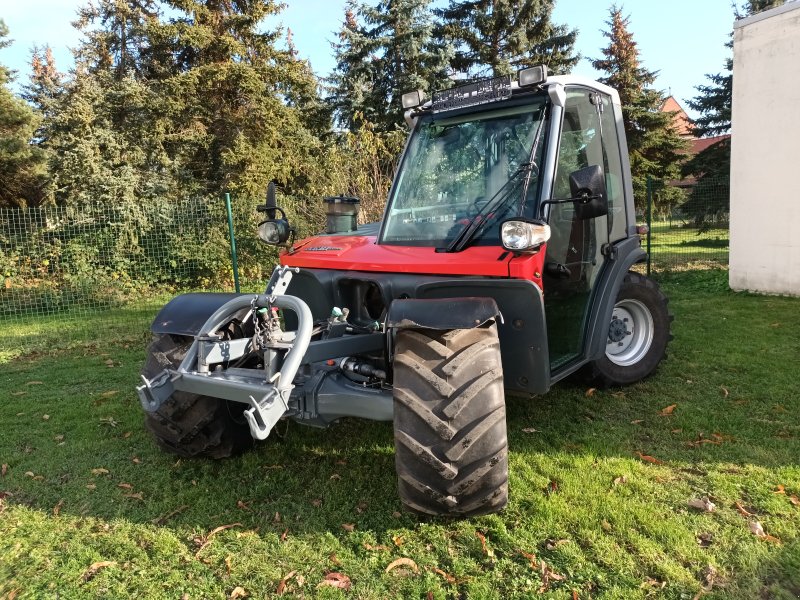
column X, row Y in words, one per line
column 501, row 266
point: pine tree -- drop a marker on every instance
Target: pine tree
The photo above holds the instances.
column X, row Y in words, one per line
column 498, row 37
column 22, row 172
column 383, row 52
column 711, row 167
column 655, row 148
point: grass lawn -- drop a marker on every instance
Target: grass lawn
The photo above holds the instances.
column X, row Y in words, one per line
column 687, row 248
column 600, row 484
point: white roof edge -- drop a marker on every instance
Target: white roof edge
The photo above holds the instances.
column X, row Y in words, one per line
column 772, row 12
column 566, row 80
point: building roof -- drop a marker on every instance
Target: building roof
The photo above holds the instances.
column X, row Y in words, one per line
column 680, row 119
column 700, row 144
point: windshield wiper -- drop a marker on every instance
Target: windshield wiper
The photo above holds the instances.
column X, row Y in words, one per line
column 495, row 202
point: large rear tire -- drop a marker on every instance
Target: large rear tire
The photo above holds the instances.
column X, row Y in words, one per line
column 190, row 425
column 451, row 449
column 638, row 333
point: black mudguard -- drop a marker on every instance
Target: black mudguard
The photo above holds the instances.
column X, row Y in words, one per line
column 187, row 313
column 441, row 313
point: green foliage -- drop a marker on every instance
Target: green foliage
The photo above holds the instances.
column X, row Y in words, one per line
column 22, row 169
column 654, row 146
column 498, row 37
column 384, row 51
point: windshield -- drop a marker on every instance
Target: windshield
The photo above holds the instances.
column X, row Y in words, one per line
column 454, row 166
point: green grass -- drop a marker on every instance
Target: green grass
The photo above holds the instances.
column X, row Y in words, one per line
column 678, row 247
column 730, row 372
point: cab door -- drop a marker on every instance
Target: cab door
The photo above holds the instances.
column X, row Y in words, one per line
column 576, row 250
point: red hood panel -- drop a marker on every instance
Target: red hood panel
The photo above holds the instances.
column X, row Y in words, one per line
column 361, row 253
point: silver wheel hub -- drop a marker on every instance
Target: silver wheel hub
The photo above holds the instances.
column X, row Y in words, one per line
column 630, row 333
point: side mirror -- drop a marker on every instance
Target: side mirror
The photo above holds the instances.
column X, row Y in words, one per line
column 588, row 189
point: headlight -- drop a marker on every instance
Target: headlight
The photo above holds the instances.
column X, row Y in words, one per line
column 522, row 235
column 275, row 231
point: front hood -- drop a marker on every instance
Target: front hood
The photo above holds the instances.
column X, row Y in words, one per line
column 362, row 253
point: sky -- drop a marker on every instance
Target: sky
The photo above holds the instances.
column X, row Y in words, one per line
column 684, row 40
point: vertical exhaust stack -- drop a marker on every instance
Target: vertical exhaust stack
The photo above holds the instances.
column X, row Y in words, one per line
column 342, row 214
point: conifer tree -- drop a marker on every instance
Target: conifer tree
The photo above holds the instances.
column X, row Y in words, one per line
column 499, row 37
column 655, row 148
column 384, row 51
column 711, row 167
column 21, row 162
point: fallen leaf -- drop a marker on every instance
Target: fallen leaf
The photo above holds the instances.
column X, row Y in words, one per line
column 109, row 393
column 396, row 514
column 335, row 477
column 109, row 421
column 486, row 550
column 335, row 559
column 228, row 562
column 650, row 459
column 348, row 527
column 376, row 548
column 59, row 437
column 18, row 393
column 530, row 430
column 282, row 585
column 89, row 573
column 574, row 594
column 127, row 434
column 100, row 471
column 398, row 540
column 3, row 470
column 243, row 505
column 620, row 480
column 742, row 510
column 637, row 421
column 703, row 504
column 336, row 580
column 553, row 544
column 780, row 490
column 125, row 486
column 403, row 562
column 316, row 502
column 606, row 526
column 667, row 410
column 35, row 383
column 238, row 592
column 45, row 417
column 284, row 534
column 30, row 474
column 136, row 460
column 447, row 577
column 90, row 486
column 758, row 530
column 794, row 500
column 531, row 560
column 109, row 363
column 676, row 430
column 590, row 392
column 216, row 530
column 277, row 518
column 705, row 539
column 136, row 496
column 548, row 575
column 57, row 507
column 725, row 392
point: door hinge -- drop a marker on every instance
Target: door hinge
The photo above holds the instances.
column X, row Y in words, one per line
column 609, row 251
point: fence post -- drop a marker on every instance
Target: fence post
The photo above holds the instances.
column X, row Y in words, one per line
column 234, row 258
column 649, row 219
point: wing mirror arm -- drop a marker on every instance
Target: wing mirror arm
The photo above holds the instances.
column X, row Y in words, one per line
column 588, row 189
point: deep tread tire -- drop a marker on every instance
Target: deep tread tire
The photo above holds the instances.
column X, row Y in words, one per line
column 645, row 293
column 187, row 424
column 451, row 448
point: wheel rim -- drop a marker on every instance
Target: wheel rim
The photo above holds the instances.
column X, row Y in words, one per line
column 630, row 333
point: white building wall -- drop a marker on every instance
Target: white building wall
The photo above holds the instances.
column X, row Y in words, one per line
column 765, row 153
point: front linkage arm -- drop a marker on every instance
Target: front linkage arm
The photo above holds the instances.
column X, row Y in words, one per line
column 266, row 395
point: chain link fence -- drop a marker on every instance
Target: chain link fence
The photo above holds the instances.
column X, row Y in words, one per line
column 688, row 226
column 102, row 272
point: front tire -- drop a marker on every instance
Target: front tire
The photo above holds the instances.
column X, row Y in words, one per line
column 190, row 425
column 638, row 333
column 451, row 448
